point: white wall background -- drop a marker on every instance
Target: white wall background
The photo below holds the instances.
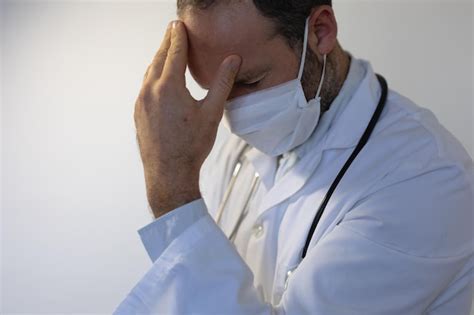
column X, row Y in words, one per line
column 72, row 185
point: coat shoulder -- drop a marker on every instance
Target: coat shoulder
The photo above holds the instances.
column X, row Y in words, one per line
column 423, row 204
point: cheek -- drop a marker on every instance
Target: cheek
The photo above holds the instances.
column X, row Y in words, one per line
column 286, row 68
column 236, row 92
column 202, row 69
column 278, row 76
column 280, row 73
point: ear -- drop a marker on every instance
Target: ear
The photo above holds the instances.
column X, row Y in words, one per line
column 322, row 37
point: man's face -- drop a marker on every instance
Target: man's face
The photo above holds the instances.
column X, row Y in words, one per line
column 238, row 28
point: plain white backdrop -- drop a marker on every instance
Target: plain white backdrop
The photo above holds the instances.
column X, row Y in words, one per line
column 72, row 188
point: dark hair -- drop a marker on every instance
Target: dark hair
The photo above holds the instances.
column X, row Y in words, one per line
column 289, row 15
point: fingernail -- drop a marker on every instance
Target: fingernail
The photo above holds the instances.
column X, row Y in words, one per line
column 175, row 23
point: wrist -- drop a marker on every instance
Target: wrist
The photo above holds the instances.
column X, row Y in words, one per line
column 167, row 195
column 162, row 206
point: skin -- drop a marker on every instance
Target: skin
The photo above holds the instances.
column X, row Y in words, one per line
column 231, row 50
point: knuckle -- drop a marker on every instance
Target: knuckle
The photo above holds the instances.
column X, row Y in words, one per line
column 146, row 73
column 142, row 105
column 160, row 56
column 137, row 111
column 136, row 117
column 159, row 90
column 176, row 49
column 156, row 64
column 147, row 109
column 162, row 89
column 145, row 95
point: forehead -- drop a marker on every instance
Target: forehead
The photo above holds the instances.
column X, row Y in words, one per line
column 233, row 27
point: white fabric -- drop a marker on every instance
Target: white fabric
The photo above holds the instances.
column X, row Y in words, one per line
column 256, row 162
column 285, row 163
column 396, row 237
column 277, row 119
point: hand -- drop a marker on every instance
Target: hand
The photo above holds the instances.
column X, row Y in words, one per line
column 175, row 132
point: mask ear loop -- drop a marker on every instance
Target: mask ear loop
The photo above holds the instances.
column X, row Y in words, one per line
column 303, row 55
column 303, row 59
column 317, row 97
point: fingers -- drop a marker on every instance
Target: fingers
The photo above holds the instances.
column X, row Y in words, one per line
column 177, row 59
column 155, row 69
column 222, row 85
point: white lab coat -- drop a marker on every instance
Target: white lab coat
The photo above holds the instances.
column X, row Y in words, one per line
column 396, row 237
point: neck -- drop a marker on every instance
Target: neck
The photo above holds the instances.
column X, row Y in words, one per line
column 337, row 68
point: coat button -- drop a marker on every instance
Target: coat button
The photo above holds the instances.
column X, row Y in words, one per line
column 258, row 230
column 288, row 274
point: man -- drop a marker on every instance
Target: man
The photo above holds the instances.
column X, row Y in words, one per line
column 393, row 229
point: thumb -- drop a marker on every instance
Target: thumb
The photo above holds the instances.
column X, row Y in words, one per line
column 222, row 85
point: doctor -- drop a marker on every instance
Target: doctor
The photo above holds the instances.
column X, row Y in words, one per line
column 332, row 195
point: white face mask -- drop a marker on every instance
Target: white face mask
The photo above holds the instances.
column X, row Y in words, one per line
column 277, row 119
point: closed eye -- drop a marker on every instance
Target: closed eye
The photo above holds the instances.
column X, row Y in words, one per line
column 243, row 88
column 251, row 85
column 251, row 82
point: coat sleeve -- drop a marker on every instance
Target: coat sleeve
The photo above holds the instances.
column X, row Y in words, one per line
column 195, row 270
column 360, row 267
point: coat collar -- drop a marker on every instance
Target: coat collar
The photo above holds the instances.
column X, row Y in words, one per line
column 352, row 121
column 339, row 128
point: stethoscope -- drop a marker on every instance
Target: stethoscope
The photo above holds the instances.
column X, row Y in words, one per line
column 255, row 181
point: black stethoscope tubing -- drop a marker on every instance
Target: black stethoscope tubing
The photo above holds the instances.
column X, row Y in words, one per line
column 362, row 142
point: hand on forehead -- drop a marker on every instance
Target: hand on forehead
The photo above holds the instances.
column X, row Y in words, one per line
column 236, row 28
